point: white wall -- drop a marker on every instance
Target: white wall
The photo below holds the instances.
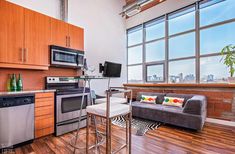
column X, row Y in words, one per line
column 104, row 34
column 157, row 11
column 47, row 7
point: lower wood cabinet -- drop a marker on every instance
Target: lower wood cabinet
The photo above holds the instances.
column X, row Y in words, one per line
column 44, row 114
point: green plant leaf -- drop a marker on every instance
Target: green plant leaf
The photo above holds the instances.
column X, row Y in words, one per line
column 228, row 58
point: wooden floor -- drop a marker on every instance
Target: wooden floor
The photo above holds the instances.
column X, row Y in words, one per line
column 166, row 139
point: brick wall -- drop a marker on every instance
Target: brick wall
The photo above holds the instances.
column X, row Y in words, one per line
column 220, row 101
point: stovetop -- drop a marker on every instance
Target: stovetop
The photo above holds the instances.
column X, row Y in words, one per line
column 65, row 85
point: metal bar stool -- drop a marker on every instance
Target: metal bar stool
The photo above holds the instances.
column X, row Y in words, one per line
column 108, row 111
column 74, row 139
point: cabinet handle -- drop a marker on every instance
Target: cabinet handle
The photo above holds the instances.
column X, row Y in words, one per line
column 66, row 41
column 69, row 41
column 21, row 54
column 25, row 54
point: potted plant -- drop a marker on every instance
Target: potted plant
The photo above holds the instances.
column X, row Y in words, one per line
column 228, row 53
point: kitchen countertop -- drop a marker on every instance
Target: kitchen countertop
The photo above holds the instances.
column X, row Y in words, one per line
column 2, row 93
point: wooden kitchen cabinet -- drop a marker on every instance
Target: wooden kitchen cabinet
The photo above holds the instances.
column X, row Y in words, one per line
column 67, row 35
column 25, row 38
column 11, row 33
column 76, row 37
column 37, row 38
column 44, row 114
column 59, row 33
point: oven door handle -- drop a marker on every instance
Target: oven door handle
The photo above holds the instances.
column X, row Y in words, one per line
column 71, row 122
column 74, row 95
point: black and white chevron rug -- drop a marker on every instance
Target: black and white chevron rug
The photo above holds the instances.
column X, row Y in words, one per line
column 140, row 125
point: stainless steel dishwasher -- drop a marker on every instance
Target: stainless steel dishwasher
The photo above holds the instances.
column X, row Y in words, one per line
column 16, row 120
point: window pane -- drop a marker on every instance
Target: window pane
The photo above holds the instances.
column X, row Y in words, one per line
column 214, row 39
column 155, row 73
column 155, row 51
column 216, row 11
column 135, row 55
column 155, row 31
column 182, row 71
column 135, row 74
column 135, row 37
column 182, row 46
column 182, row 21
column 213, row 70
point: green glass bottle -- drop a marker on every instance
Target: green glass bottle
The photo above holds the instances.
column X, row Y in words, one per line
column 9, row 82
column 19, row 83
column 13, row 83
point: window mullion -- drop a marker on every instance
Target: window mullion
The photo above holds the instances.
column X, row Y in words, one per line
column 166, row 50
column 197, row 26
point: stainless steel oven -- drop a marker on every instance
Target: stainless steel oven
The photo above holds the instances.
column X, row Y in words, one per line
column 66, row 57
column 68, row 103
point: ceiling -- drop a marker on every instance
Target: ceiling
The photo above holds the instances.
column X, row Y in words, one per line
column 155, row 2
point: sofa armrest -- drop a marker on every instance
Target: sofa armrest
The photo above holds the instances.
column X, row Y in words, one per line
column 196, row 105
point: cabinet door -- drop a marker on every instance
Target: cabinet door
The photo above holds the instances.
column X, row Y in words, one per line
column 11, row 33
column 37, row 38
column 76, row 37
column 59, row 33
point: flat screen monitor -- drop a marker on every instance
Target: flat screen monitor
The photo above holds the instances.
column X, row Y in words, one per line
column 111, row 69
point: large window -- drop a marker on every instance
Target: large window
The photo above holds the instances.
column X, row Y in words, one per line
column 213, row 39
column 182, row 71
column 155, row 51
column 155, row 29
column 177, row 50
column 155, row 73
column 183, row 46
column 216, row 11
column 182, row 20
column 209, row 70
column 135, row 54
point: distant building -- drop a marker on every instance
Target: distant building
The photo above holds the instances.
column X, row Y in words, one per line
column 189, row 78
column 210, row 78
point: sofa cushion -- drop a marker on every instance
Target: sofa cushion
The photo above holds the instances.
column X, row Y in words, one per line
column 159, row 100
column 185, row 96
column 173, row 101
column 148, row 99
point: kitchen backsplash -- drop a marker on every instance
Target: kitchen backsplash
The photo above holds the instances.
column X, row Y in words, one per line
column 33, row 79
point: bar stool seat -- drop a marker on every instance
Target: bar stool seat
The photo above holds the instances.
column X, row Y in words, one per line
column 115, row 109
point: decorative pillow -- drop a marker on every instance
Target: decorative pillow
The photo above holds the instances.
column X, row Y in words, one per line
column 173, row 101
column 148, row 99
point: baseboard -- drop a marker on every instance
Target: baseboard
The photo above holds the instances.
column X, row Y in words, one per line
column 221, row 122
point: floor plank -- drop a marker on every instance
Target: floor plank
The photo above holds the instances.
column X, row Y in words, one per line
column 214, row 139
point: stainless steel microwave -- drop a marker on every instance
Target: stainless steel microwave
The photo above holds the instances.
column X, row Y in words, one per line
column 66, row 57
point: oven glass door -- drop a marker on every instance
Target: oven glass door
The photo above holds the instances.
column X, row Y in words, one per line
column 71, row 104
column 68, row 106
column 64, row 58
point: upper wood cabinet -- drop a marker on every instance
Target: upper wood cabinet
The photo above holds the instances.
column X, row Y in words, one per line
column 26, row 36
column 11, row 33
column 67, row 35
column 76, row 37
column 37, row 38
column 59, row 33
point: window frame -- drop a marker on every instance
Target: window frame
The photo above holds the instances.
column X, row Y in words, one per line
column 165, row 62
column 155, row 64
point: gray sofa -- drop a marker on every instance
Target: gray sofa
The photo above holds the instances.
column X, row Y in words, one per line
column 192, row 115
